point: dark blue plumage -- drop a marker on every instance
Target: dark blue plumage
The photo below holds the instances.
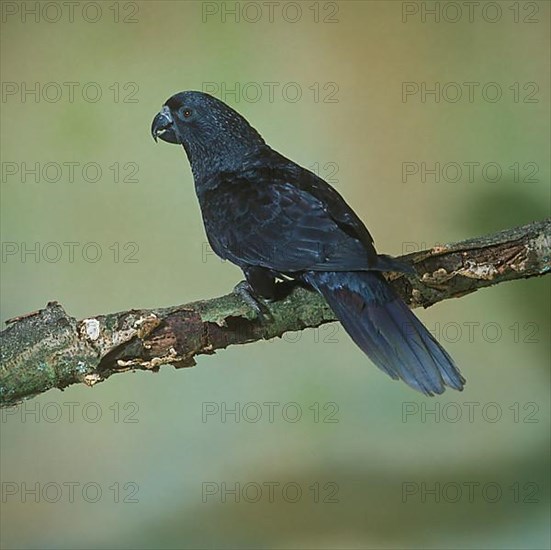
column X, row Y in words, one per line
column 386, row 330
column 276, row 219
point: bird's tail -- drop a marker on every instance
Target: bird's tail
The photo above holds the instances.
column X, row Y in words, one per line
column 386, row 330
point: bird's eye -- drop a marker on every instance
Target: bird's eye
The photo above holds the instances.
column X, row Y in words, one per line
column 186, row 113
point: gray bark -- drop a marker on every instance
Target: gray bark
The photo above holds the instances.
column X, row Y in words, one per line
column 50, row 349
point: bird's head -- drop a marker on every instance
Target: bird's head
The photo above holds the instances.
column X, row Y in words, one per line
column 208, row 129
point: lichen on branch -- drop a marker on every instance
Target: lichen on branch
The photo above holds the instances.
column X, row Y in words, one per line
column 50, row 349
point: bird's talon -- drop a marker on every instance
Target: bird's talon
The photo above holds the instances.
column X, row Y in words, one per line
column 244, row 291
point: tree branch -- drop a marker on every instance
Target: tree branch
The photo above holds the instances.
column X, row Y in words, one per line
column 49, row 349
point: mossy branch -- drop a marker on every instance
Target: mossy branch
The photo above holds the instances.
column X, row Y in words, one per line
column 50, row 349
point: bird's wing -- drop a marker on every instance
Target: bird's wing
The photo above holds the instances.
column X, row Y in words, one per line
column 337, row 207
column 268, row 217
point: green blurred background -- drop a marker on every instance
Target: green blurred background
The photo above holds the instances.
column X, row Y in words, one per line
column 383, row 455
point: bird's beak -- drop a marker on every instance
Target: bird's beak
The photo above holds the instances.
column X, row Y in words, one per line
column 163, row 126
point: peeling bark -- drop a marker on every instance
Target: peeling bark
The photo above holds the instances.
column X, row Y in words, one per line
column 50, row 349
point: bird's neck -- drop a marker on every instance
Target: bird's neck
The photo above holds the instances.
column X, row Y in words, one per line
column 225, row 156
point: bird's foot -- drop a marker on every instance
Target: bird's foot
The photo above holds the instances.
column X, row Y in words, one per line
column 245, row 292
